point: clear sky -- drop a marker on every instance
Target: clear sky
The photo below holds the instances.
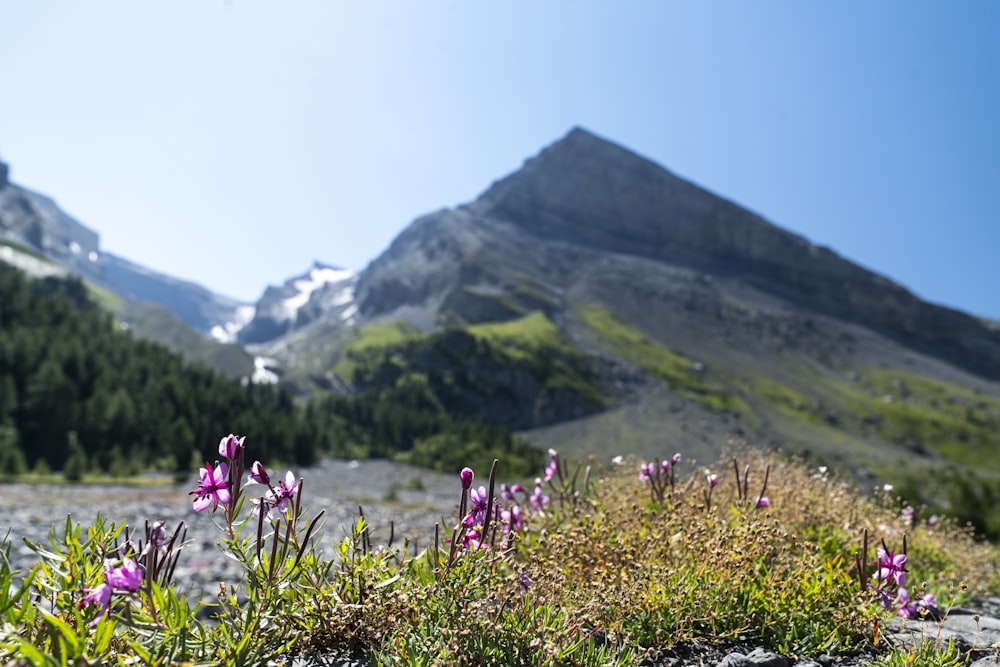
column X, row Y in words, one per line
column 234, row 142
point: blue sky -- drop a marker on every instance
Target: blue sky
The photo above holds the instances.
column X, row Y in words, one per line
column 234, row 142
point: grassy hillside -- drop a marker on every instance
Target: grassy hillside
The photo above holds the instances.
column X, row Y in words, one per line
column 682, row 375
column 515, row 373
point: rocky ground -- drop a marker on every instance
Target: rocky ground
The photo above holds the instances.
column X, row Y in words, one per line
column 404, row 500
column 411, row 499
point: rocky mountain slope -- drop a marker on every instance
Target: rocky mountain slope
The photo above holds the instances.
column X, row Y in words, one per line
column 41, row 238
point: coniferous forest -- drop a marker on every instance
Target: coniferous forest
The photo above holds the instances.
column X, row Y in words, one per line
column 79, row 394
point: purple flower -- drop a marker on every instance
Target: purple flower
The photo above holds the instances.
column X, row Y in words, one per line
column 213, row 489
column 466, row 475
column 262, row 504
column 505, row 493
column 676, row 458
column 477, row 513
column 231, row 447
column 511, row 519
column 538, row 499
column 883, row 597
column 472, row 540
column 890, row 566
column 279, row 499
column 517, row 488
column 553, row 466
column 761, row 501
column 646, row 472
column 126, row 577
column 128, row 548
column 157, row 534
column 157, row 537
column 524, row 582
column 100, row 596
column 258, row 475
column 932, row 521
column 906, row 608
column 713, row 480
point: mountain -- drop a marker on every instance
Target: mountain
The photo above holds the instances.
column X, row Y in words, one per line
column 595, row 301
column 39, row 237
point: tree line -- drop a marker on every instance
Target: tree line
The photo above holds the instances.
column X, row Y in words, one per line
column 80, row 394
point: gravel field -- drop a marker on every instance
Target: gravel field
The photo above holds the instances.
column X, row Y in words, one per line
column 411, row 498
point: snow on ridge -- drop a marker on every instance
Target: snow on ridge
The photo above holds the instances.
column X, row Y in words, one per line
column 317, row 277
column 226, row 332
column 349, row 312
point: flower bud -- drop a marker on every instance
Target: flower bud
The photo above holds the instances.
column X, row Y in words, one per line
column 231, row 447
column 466, row 476
column 258, row 475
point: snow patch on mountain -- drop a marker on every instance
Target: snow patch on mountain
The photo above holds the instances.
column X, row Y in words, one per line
column 263, row 371
column 318, row 277
column 227, row 331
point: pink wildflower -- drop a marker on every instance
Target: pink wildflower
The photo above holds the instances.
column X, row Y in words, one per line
column 100, row 596
column 553, row 465
column 891, row 566
column 213, row 489
column 258, row 474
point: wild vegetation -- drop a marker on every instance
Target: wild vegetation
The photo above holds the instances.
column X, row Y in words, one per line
column 751, row 551
column 947, row 431
column 679, row 373
column 519, row 374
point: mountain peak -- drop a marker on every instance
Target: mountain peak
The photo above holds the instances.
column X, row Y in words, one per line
column 588, row 190
column 574, row 174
